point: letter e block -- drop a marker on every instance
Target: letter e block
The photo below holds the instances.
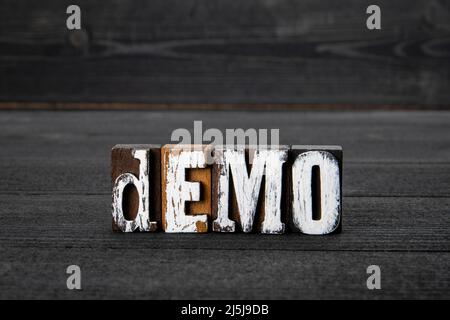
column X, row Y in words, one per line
column 185, row 188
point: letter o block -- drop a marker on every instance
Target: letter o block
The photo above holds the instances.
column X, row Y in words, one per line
column 316, row 189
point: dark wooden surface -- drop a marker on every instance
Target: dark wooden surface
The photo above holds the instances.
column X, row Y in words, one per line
column 55, row 211
column 254, row 51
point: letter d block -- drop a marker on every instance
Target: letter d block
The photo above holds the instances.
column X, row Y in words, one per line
column 136, row 181
column 185, row 188
column 316, row 175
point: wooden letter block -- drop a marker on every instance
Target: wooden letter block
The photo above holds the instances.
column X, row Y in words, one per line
column 316, row 189
column 185, row 188
column 264, row 189
column 249, row 194
column 135, row 173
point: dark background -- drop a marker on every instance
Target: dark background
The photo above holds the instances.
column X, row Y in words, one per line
column 309, row 68
column 221, row 51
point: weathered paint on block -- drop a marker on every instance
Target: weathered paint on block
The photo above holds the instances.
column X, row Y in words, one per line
column 249, row 194
column 245, row 189
column 135, row 175
column 176, row 190
column 203, row 176
column 320, row 168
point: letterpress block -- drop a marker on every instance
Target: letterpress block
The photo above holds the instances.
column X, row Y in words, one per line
column 203, row 205
column 136, row 182
column 250, row 189
column 185, row 188
column 316, row 177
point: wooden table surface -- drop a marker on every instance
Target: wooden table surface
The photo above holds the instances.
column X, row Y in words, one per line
column 55, row 211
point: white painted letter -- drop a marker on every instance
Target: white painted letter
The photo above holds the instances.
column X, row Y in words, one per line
column 330, row 197
column 142, row 185
column 177, row 190
column 247, row 188
column 222, row 223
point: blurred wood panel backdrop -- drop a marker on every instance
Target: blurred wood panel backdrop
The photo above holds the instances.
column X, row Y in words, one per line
column 226, row 52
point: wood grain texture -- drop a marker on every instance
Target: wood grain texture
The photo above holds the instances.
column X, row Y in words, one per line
column 369, row 137
column 176, row 190
column 323, row 188
column 267, row 274
column 256, row 51
column 90, row 177
column 247, row 182
column 96, row 106
column 55, row 211
column 379, row 145
column 202, row 176
column 83, row 221
column 123, row 161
